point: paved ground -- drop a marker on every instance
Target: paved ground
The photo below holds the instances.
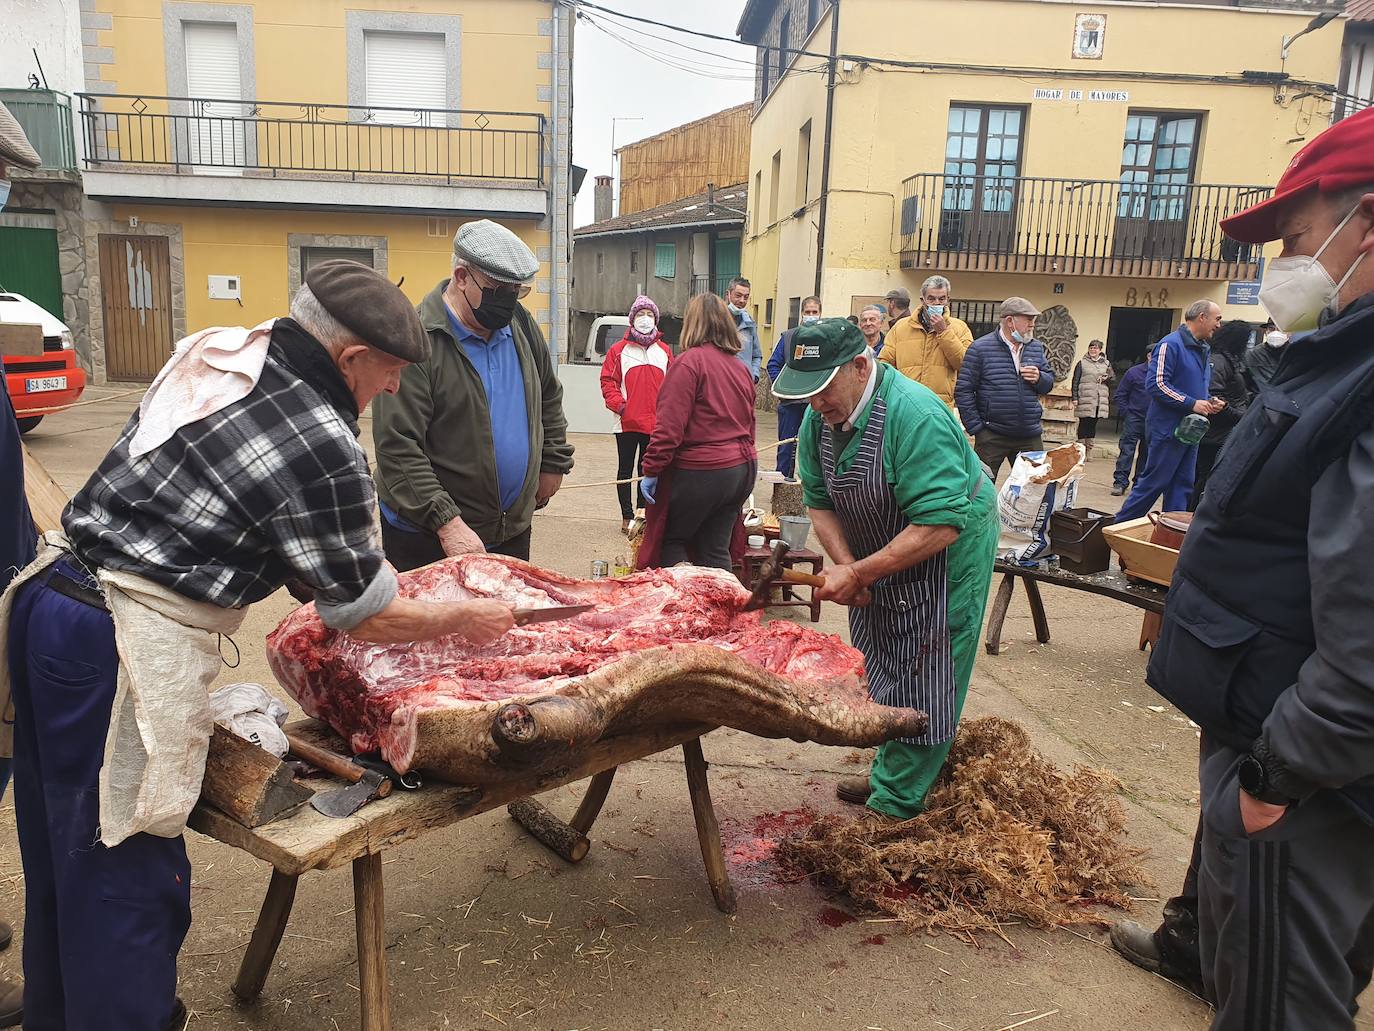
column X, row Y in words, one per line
column 487, row 930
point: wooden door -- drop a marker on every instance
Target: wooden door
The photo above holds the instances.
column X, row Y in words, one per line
column 1157, row 161
column 136, row 297
column 982, row 179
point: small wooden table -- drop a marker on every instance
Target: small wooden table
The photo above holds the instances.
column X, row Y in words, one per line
column 307, row 840
column 752, row 564
column 1111, row 584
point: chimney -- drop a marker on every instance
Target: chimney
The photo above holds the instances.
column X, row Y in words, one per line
column 601, row 198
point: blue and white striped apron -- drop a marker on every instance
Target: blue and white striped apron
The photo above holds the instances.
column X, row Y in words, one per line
column 904, row 633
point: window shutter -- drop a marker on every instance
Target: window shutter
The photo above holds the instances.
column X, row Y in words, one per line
column 212, row 61
column 665, row 260
column 406, row 70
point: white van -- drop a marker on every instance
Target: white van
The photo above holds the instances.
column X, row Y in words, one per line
column 605, row 333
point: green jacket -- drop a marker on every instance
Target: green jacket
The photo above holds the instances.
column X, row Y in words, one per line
column 435, row 457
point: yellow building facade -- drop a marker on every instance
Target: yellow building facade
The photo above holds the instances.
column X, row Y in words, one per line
column 227, row 147
column 1079, row 155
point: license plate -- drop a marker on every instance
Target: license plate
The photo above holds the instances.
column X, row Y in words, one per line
column 34, row 386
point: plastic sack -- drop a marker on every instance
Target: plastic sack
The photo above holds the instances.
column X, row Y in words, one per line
column 1041, row 483
column 251, row 713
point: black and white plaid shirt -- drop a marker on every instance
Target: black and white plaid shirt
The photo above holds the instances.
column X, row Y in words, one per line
column 272, row 488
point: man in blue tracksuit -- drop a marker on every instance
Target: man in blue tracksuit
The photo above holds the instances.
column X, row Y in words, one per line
column 790, row 412
column 1180, row 378
column 1132, row 402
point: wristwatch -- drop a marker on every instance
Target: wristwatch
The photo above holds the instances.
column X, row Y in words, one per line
column 1256, row 782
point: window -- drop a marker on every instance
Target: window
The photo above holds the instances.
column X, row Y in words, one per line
column 312, row 256
column 784, row 44
column 634, row 261
column 982, row 158
column 766, row 66
column 813, row 14
column 794, row 313
column 665, row 261
column 768, row 312
column 756, row 200
column 405, row 71
column 774, row 176
column 600, row 262
column 803, row 164
column 213, row 71
column 1157, row 159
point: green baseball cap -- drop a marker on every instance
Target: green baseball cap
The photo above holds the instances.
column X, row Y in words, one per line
column 815, row 353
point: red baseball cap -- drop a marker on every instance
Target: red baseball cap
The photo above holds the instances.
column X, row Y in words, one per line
column 1340, row 158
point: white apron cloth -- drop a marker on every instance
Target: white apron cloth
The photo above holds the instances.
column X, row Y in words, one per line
column 160, row 723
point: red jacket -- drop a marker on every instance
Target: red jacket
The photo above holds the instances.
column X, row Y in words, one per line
column 705, row 414
column 630, row 378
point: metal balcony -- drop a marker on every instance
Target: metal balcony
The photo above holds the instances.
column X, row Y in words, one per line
column 46, row 118
column 1075, row 227
column 260, row 138
column 711, row 285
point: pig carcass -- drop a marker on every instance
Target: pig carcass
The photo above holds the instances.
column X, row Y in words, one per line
column 662, row 647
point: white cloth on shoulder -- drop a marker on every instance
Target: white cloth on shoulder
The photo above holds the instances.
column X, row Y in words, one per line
column 208, row 371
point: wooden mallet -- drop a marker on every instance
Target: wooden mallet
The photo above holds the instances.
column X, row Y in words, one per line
column 774, row 571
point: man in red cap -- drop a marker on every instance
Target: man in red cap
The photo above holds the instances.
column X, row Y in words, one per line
column 1265, row 641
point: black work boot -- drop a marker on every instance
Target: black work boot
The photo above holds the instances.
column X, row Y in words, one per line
column 1170, row 951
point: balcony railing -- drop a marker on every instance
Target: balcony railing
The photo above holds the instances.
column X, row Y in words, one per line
column 46, row 118
column 711, row 284
column 1091, row 227
column 296, row 140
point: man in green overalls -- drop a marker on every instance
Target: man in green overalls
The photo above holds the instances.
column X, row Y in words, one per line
column 908, row 516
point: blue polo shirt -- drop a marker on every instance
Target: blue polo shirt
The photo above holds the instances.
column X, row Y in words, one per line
column 498, row 364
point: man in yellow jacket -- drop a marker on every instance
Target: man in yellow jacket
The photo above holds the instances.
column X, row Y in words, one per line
column 929, row 345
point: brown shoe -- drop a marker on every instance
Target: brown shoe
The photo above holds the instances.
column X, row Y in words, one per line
column 11, row 1002
column 854, row 790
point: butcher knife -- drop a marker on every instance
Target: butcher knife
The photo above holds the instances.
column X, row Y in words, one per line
column 524, row 617
column 341, row 802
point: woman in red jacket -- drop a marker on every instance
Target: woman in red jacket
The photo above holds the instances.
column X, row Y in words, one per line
column 630, row 378
column 701, row 464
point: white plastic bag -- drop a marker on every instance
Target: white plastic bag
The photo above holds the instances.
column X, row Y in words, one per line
column 1041, row 483
column 251, row 713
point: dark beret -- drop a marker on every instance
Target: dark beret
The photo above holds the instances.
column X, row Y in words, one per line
column 371, row 306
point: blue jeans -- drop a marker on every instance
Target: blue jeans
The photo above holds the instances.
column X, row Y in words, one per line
column 789, row 423
column 102, row 926
column 1133, row 437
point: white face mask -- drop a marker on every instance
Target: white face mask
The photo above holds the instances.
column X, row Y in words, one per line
column 1276, row 339
column 1298, row 291
column 644, row 325
column 807, row 320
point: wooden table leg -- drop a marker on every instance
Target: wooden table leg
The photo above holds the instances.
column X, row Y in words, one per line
column 998, row 615
column 708, row 830
column 369, row 911
column 1150, row 627
column 267, row 932
column 1037, row 607
column 592, row 801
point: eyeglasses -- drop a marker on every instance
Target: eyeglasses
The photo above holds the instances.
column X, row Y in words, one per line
column 520, row 290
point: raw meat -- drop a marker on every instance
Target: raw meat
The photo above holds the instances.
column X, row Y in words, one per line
column 661, row 647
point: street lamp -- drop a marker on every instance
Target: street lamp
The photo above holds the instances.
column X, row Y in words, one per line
column 1326, row 17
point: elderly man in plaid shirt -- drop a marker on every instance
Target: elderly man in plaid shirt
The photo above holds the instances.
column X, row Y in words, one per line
column 240, row 472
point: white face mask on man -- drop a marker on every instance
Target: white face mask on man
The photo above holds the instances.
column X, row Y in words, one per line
column 1298, row 291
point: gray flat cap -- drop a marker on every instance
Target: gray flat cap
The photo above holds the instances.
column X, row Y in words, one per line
column 15, row 148
column 1017, row 306
column 901, row 295
column 495, row 250
column 371, row 306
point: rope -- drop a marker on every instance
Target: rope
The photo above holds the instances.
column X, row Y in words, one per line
column 636, row 479
column 79, row 404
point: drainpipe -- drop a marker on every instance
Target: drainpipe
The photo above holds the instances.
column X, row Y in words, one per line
column 825, row 154
column 559, row 216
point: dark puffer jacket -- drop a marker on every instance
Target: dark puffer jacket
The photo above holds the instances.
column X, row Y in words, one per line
column 991, row 394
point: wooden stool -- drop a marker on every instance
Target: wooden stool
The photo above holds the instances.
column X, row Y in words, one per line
column 751, row 565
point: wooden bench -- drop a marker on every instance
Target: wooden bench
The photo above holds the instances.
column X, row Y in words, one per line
column 307, row 840
column 1111, row 584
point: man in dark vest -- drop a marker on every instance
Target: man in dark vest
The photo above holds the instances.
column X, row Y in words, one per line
column 1266, row 639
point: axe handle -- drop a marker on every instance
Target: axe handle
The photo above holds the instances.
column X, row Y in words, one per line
column 333, row 763
column 796, row 576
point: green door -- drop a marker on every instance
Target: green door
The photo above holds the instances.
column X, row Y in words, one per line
column 726, row 260
column 28, row 266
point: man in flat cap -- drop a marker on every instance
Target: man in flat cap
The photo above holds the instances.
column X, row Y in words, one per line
column 1266, row 642
column 475, row 439
column 898, row 305
column 240, row 471
column 17, row 534
column 909, row 519
column 1000, row 385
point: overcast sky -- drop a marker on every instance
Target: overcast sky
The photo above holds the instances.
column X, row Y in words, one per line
column 611, row 80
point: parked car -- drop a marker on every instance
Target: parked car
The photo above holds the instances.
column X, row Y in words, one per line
column 604, row 334
column 38, row 383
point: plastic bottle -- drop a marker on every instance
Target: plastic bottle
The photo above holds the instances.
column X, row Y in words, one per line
column 1192, row 428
